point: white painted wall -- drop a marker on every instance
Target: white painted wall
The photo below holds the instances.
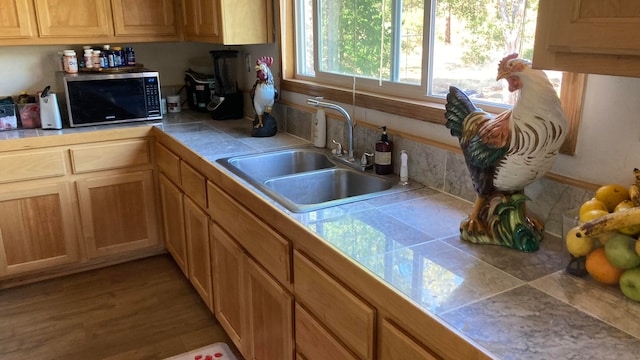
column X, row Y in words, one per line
column 608, row 143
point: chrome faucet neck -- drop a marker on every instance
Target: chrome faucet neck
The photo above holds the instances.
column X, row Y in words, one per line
column 317, row 102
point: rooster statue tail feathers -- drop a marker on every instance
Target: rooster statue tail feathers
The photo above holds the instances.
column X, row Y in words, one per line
column 458, row 107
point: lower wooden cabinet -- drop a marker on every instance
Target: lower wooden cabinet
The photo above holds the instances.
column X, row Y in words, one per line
column 37, row 228
column 118, row 213
column 228, row 283
column 314, row 342
column 347, row 316
column 252, row 307
column 197, row 235
column 172, row 212
column 270, row 316
column 396, row 344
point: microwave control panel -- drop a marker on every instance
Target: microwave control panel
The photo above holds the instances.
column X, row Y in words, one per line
column 152, row 94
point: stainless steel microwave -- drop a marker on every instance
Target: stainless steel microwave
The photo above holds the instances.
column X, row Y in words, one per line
column 107, row 98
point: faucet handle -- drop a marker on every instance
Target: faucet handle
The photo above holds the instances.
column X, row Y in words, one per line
column 364, row 161
column 338, row 149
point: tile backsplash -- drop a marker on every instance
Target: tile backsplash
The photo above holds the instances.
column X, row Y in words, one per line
column 436, row 167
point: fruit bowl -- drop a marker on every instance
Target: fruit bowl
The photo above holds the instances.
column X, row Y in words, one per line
column 602, row 237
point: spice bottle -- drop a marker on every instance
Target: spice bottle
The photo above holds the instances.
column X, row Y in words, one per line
column 384, row 149
column 70, row 62
column 95, row 58
column 129, row 56
column 108, row 55
column 118, row 59
column 88, row 58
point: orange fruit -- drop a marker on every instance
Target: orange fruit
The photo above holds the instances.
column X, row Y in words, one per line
column 593, row 204
column 601, row 269
column 612, row 194
column 592, row 214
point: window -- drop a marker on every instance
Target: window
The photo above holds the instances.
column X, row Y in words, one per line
column 377, row 52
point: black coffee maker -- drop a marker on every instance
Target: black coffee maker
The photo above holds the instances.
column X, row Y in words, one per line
column 227, row 102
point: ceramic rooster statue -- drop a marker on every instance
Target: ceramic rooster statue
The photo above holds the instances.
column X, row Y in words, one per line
column 263, row 94
column 507, row 152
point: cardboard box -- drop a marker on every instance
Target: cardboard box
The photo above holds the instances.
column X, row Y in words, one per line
column 8, row 118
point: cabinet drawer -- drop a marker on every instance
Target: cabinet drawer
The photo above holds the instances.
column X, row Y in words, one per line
column 271, row 250
column 193, row 184
column 395, row 344
column 342, row 312
column 316, row 343
column 32, row 165
column 168, row 163
column 110, row 156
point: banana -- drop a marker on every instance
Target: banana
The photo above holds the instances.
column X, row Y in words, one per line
column 610, row 222
column 634, row 189
column 634, row 194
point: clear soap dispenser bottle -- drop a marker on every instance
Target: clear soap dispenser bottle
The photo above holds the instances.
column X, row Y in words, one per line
column 383, row 155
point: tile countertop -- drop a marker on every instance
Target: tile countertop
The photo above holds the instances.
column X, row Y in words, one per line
column 516, row 305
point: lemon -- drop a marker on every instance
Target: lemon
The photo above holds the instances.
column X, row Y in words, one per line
column 624, row 205
column 612, row 194
column 592, row 214
column 593, row 204
column 578, row 246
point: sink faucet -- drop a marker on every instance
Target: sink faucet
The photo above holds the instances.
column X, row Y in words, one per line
column 318, row 103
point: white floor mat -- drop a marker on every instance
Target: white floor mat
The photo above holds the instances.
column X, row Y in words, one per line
column 217, row 351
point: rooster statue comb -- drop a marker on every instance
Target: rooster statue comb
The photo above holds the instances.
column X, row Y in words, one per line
column 263, row 95
column 506, row 152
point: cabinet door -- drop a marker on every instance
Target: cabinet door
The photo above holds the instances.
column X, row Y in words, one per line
column 201, row 19
column 16, row 19
column 228, row 286
column 395, row 344
column 36, row 228
column 73, row 18
column 315, row 342
column 346, row 315
column 197, row 236
column 171, row 203
column 144, row 17
column 236, row 14
column 591, row 36
column 118, row 213
column 270, row 316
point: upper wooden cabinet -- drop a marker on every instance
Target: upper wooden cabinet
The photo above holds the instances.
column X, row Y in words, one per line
column 17, row 19
column 37, row 22
column 588, row 36
column 229, row 22
column 144, row 17
column 73, row 18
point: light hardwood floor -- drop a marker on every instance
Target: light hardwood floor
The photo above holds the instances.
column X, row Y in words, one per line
column 144, row 309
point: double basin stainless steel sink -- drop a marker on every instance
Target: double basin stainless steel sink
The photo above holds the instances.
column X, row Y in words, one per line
column 307, row 179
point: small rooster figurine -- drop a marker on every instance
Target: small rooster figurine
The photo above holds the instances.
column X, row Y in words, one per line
column 507, row 152
column 263, row 94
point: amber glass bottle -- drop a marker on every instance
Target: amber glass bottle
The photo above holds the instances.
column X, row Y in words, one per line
column 383, row 156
